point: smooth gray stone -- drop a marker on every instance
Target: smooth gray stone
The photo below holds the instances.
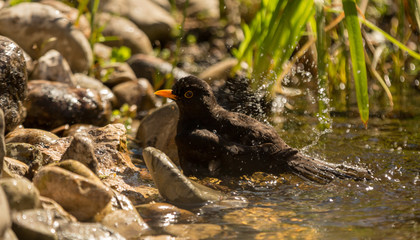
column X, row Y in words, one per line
column 174, row 186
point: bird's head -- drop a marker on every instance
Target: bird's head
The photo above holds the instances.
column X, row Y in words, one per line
column 193, row 96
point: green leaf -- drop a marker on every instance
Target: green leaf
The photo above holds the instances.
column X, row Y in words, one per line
column 120, row 54
column 357, row 58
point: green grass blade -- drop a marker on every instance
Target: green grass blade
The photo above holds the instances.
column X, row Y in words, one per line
column 357, row 58
column 278, row 45
column 391, row 39
column 321, row 48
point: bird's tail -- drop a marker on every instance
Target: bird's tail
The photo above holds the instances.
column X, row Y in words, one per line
column 324, row 172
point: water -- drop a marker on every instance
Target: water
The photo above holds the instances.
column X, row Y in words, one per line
column 387, row 207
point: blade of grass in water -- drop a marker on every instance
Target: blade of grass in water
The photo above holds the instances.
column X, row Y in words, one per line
column 321, row 48
column 357, row 58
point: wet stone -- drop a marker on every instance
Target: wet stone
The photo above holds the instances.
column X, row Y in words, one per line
column 37, row 224
column 81, row 149
column 175, row 187
column 49, row 204
column 52, row 104
column 26, row 153
column 51, row 146
column 121, row 202
column 15, row 167
column 80, row 196
column 49, row 224
column 21, row 193
column 76, row 128
column 13, row 82
column 78, row 230
column 158, row 129
column 31, row 136
column 127, row 223
column 194, row 231
column 53, row 67
column 49, row 29
column 160, row 237
column 114, row 164
column 84, row 81
column 78, row 168
column 163, row 214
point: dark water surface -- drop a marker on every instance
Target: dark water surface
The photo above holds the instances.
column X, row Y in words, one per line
column 387, row 207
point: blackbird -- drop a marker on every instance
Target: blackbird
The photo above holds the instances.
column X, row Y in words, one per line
column 215, row 142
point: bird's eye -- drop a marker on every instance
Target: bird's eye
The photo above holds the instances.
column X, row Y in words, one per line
column 188, row 94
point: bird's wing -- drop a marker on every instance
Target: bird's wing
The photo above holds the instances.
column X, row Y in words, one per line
column 248, row 131
column 216, row 151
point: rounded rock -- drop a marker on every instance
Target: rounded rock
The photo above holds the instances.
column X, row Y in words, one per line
column 162, row 214
column 53, row 67
column 84, row 81
column 127, row 32
column 194, row 231
column 31, row 136
column 13, row 82
column 120, row 72
column 175, row 187
column 48, row 29
column 139, row 93
column 151, row 68
column 80, row 196
column 27, row 154
column 71, row 14
column 158, row 129
column 15, row 168
column 127, row 223
column 21, row 193
column 52, row 104
column 155, row 21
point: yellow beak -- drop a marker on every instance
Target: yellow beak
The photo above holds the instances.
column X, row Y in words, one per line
column 166, row 93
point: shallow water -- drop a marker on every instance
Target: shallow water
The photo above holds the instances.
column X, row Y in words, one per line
column 283, row 207
column 387, row 207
